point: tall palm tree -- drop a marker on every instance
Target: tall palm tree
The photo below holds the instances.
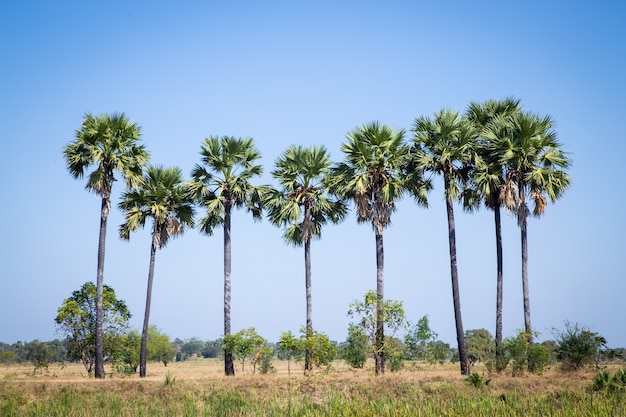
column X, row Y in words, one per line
column 219, row 184
column 534, row 165
column 303, row 205
column 109, row 143
column 489, row 182
column 162, row 198
column 446, row 145
column 372, row 176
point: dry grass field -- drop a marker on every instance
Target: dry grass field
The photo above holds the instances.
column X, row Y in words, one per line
column 199, row 388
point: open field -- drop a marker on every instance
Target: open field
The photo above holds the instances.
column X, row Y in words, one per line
column 198, row 388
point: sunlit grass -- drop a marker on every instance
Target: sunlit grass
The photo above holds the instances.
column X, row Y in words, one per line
column 198, row 388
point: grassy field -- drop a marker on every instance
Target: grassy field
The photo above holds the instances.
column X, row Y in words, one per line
column 198, row 388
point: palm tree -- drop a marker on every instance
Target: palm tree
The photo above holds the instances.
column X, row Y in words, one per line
column 489, row 182
column 110, row 143
column 534, row 164
column 219, row 184
column 303, row 205
column 162, row 197
column 372, row 176
column 446, row 145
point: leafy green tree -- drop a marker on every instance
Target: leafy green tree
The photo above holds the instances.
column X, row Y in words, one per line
column 303, row 206
column 246, row 345
column 369, row 312
column 322, row 350
column 524, row 355
column 480, row 345
column 534, row 168
column 76, row 319
column 418, row 339
column 128, row 359
column 190, row 347
column 290, row 346
column 212, row 349
column 488, row 178
column 372, row 176
column 38, row 354
column 8, row 357
column 446, row 145
column 578, row 346
column 223, row 182
column 356, row 347
column 159, row 346
column 162, row 198
column 110, row 142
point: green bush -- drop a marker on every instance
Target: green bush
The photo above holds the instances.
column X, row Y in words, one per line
column 578, row 346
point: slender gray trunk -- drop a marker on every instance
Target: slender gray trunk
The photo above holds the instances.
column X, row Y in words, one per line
column 499, row 285
column 379, row 355
column 229, row 367
column 456, row 296
column 143, row 353
column 104, row 215
column 309, row 306
column 525, row 290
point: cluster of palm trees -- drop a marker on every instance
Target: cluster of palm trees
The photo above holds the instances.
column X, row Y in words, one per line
column 495, row 153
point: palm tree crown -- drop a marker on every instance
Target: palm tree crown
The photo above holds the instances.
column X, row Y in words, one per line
column 223, row 179
column 372, row 173
column 111, row 143
column 162, row 198
column 302, row 203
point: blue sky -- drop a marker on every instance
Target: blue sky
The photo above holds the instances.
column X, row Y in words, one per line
column 307, row 73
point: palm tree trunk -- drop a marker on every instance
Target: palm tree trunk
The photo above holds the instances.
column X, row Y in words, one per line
column 499, row 292
column 229, row 367
column 104, row 215
column 309, row 306
column 525, row 291
column 143, row 353
column 379, row 355
column 456, row 296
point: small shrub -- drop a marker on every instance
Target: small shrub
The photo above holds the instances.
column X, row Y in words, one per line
column 578, row 346
column 538, row 358
column 477, row 380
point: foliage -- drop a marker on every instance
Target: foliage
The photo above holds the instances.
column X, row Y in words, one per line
column 266, row 357
column 289, row 346
column 76, row 319
column 356, row 347
column 322, row 350
column 477, row 380
column 367, row 313
column 394, row 353
column 212, row 349
column 578, row 346
column 525, row 356
column 419, row 341
column 245, row 345
column 603, row 381
column 128, row 355
column 38, row 354
column 480, row 345
column 159, row 346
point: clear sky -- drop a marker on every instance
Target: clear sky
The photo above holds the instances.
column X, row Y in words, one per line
column 307, row 73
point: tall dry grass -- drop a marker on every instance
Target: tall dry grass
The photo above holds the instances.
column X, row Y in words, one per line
column 198, row 388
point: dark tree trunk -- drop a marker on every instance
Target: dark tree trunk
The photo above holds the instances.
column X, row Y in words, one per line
column 143, row 353
column 229, row 367
column 104, row 215
column 525, row 290
column 309, row 306
column 499, row 285
column 379, row 355
column 456, row 296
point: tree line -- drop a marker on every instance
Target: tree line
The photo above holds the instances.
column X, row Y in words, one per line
column 495, row 153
